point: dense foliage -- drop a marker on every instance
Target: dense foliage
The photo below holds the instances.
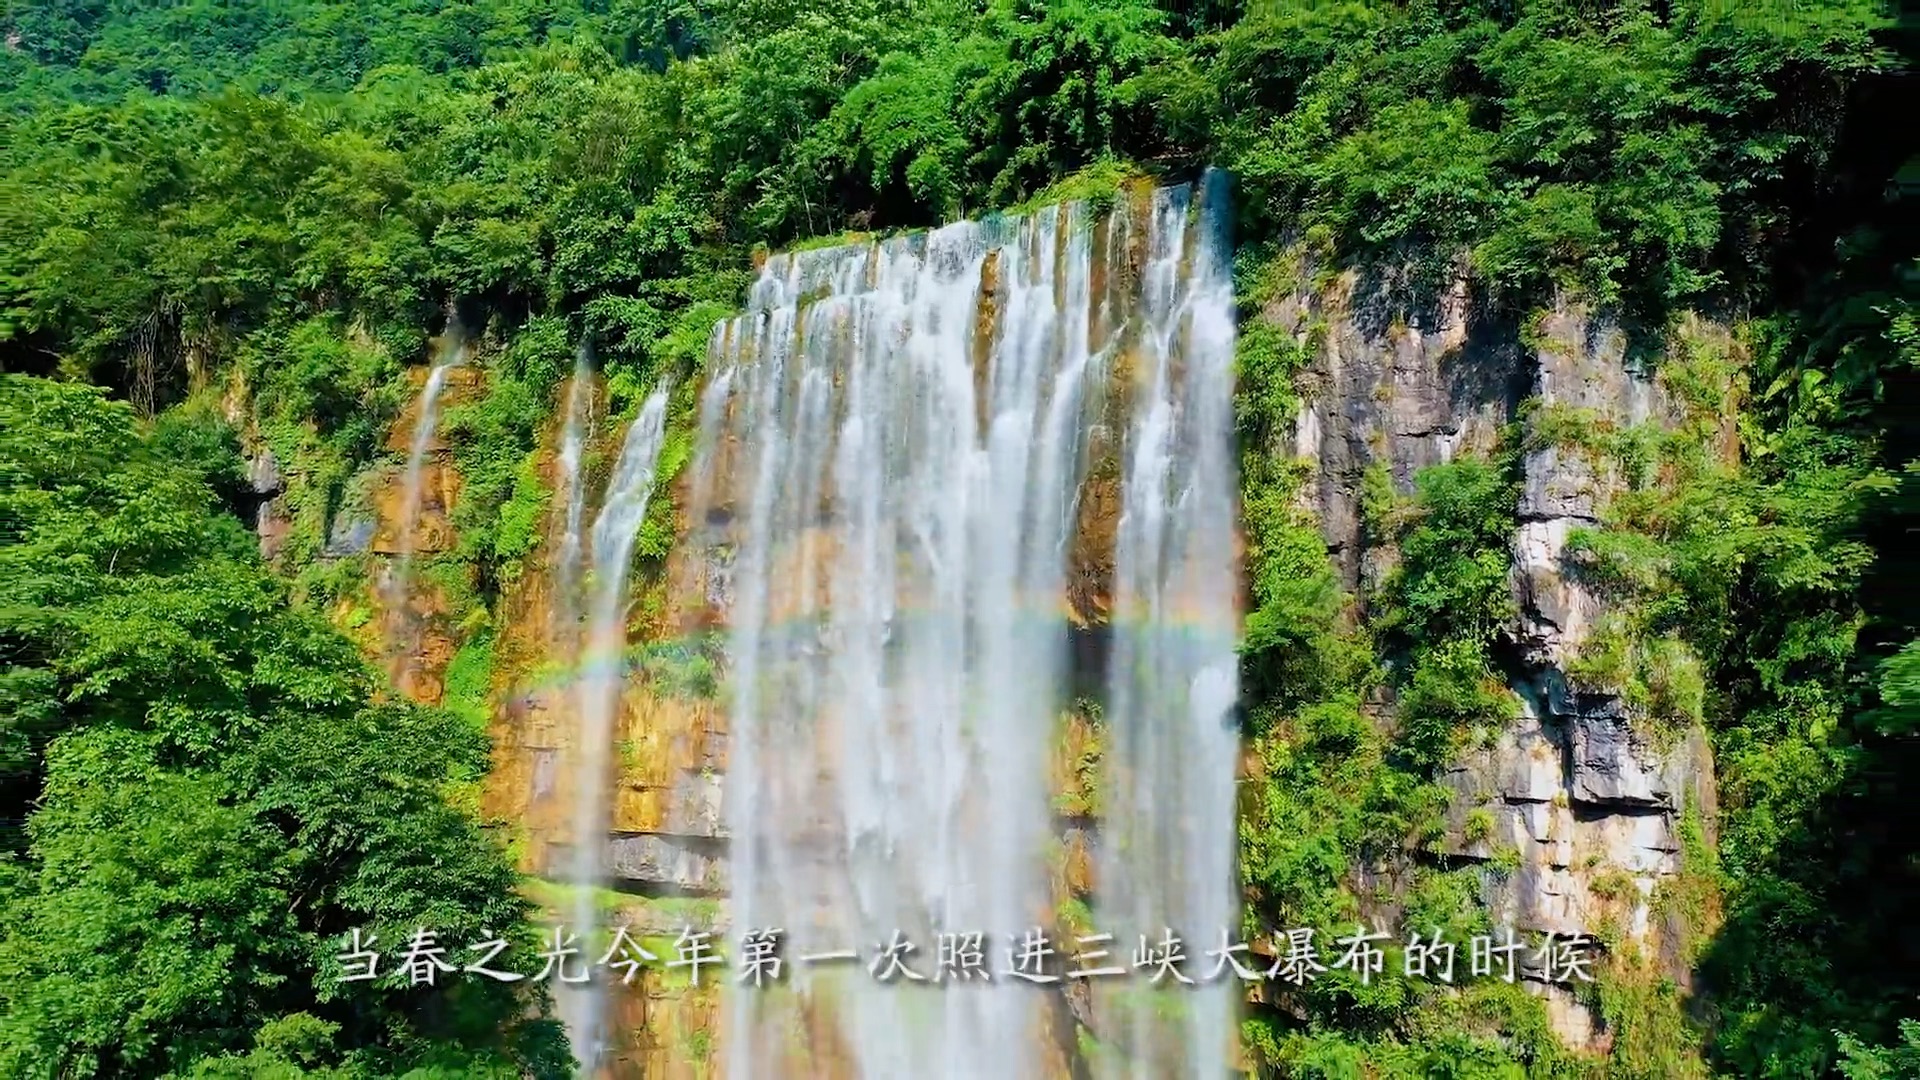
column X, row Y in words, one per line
column 286, row 198
column 218, row 799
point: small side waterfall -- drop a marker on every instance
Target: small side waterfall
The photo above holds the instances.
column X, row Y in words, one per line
column 570, row 492
column 423, row 430
column 602, row 675
column 713, row 403
column 450, row 353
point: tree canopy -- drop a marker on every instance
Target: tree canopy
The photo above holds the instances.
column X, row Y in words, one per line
column 202, row 798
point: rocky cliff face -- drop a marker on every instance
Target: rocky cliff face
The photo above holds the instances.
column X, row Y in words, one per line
column 1580, row 808
column 1582, row 801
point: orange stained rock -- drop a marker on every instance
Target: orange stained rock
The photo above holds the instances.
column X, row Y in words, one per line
column 462, row 386
column 1090, row 560
column 432, row 525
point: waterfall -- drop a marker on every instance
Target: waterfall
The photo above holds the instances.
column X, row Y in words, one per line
column 911, row 434
column 451, row 352
column 570, row 485
column 602, row 675
column 713, row 402
column 1168, row 835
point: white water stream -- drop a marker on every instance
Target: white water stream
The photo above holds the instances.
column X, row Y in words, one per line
column 602, row 674
column 450, row 353
column 915, row 425
column 570, row 491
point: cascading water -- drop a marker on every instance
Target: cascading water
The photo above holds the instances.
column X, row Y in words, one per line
column 602, row 675
column 713, row 402
column 902, row 434
column 1167, row 836
column 452, row 352
column 571, row 486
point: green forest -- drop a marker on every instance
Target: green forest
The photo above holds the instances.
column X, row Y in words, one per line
column 203, row 786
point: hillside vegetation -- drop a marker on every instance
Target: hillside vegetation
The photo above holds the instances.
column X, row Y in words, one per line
column 203, row 788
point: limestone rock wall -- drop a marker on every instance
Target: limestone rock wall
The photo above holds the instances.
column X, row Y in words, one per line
column 1585, row 800
column 1388, row 385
